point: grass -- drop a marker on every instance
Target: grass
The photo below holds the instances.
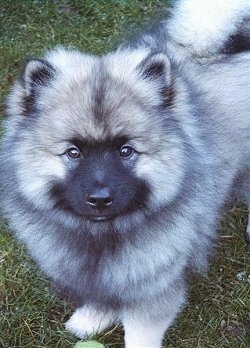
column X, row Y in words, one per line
column 31, row 314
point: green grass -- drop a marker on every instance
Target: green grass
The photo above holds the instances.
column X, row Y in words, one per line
column 31, row 314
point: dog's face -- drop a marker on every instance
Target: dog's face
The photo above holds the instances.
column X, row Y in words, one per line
column 100, row 183
column 98, row 139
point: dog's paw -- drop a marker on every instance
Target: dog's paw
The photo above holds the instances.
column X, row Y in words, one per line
column 87, row 321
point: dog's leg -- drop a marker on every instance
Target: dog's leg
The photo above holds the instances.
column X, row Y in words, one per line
column 145, row 328
column 87, row 321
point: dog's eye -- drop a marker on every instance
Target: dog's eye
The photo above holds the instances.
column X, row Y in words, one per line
column 73, row 152
column 126, row 151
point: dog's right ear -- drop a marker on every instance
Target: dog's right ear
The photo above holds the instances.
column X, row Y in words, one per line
column 36, row 74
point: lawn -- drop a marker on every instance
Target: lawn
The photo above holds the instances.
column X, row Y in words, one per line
column 31, row 314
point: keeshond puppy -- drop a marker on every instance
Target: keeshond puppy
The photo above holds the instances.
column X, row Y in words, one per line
column 115, row 169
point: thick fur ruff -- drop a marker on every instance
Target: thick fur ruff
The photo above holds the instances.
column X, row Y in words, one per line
column 115, row 169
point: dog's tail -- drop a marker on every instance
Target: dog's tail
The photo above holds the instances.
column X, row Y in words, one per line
column 210, row 27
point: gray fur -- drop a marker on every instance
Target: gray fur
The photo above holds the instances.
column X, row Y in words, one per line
column 188, row 119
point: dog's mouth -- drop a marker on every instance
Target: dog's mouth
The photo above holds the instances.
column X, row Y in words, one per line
column 100, row 218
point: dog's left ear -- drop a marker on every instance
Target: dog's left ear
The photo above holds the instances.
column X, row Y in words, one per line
column 157, row 68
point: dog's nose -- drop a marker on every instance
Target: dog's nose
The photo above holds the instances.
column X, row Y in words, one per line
column 100, row 198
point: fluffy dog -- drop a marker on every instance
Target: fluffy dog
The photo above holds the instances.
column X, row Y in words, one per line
column 115, row 169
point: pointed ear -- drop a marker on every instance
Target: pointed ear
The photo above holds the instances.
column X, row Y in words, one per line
column 36, row 73
column 157, row 68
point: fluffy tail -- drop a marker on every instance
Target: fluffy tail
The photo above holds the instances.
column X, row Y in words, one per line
column 208, row 27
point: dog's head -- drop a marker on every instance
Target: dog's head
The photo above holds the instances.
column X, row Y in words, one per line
column 98, row 138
